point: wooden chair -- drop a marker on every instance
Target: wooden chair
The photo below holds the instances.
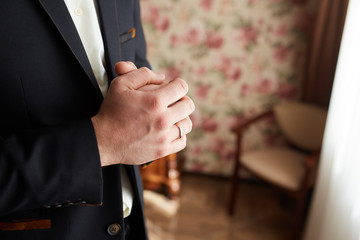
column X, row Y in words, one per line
column 291, row 169
column 162, row 176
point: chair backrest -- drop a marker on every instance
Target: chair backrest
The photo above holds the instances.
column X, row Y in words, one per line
column 303, row 124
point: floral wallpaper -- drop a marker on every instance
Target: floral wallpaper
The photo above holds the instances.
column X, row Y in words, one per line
column 239, row 57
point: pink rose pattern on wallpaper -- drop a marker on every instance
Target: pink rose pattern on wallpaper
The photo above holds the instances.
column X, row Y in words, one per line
column 239, row 57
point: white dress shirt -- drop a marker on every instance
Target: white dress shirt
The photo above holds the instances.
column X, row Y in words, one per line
column 84, row 16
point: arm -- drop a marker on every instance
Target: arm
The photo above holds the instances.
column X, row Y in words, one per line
column 38, row 168
column 60, row 165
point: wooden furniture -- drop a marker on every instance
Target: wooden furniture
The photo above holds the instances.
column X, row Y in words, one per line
column 290, row 169
column 162, row 176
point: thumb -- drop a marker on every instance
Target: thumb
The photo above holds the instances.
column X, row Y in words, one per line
column 138, row 78
column 124, row 67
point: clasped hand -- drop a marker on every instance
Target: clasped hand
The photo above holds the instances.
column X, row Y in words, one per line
column 136, row 121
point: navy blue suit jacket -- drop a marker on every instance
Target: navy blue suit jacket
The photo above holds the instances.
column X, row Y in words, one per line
column 51, row 183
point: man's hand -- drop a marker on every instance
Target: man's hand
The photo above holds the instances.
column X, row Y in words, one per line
column 136, row 124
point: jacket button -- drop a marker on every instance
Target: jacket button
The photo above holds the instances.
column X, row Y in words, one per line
column 114, row 229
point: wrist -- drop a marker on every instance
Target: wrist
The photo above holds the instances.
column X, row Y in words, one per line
column 103, row 151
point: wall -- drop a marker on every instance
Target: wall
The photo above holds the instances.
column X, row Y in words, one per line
column 239, row 58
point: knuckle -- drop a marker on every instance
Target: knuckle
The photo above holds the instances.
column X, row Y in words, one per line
column 183, row 143
column 116, row 82
column 161, row 122
column 190, row 124
column 191, row 104
column 154, row 103
column 183, row 85
column 161, row 152
column 163, row 140
column 145, row 70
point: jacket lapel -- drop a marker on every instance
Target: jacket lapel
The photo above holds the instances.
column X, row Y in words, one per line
column 108, row 11
column 60, row 16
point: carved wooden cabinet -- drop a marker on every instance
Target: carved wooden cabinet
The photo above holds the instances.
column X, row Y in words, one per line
column 162, row 176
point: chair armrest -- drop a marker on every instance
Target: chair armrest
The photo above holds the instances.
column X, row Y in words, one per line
column 312, row 159
column 310, row 163
column 247, row 122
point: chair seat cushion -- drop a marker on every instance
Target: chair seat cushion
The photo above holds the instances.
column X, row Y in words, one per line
column 281, row 166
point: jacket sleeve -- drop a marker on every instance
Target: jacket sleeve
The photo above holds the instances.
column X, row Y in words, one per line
column 140, row 44
column 50, row 167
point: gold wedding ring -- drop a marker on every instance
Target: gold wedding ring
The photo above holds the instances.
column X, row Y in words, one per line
column 181, row 132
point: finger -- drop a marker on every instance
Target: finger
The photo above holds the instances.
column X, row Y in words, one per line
column 181, row 109
column 152, row 87
column 178, row 145
column 124, row 67
column 173, row 91
column 140, row 77
column 185, row 125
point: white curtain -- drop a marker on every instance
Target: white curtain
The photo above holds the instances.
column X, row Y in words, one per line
column 335, row 210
